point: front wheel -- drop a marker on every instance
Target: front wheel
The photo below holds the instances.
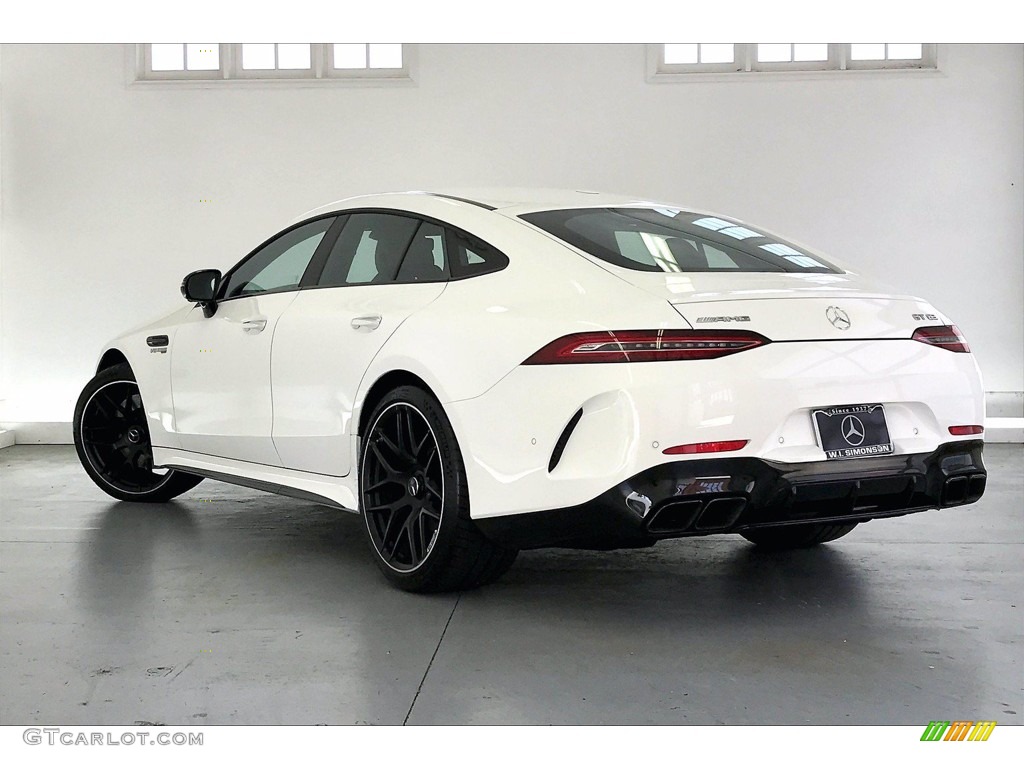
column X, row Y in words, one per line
column 797, row 536
column 415, row 500
column 112, row 440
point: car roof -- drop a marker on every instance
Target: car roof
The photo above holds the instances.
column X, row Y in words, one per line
column 510, row 201
column 543, row 199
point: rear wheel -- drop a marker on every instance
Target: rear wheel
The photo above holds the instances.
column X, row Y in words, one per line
column 112, row 440
column 415, row 500
column 797, row 536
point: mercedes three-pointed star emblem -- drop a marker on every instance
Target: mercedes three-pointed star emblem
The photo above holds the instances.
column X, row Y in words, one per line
column 853, row 430
column 838, row 318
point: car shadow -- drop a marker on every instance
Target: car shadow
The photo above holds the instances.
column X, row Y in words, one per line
column 118, row 560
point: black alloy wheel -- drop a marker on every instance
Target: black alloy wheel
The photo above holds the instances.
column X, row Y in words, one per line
column 113, row 444
column 414, row 497
column 403, row 487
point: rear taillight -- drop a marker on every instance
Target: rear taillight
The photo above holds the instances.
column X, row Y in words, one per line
column 644, row 346
column 945, row 336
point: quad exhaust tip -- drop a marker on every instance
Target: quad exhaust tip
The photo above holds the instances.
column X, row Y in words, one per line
column 963, row 489
column 696, row 515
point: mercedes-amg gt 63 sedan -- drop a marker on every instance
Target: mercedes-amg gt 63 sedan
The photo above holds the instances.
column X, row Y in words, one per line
column 479, row 374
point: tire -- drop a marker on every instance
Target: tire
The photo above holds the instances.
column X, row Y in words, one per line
column 112, row 439
column 415, row 500
column 797, row 536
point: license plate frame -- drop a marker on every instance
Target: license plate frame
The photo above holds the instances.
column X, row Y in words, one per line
column 852, row 431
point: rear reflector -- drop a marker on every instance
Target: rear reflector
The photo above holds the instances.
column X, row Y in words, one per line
column 945, row 336
column 644, row 346
column 718, row 447
column 967, row 429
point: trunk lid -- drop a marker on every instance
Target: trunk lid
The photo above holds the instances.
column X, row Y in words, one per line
column 790, row 307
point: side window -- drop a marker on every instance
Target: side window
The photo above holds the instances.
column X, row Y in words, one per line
column 279, row 265
column 426, row 260
column 369, row 249
column 471, row 257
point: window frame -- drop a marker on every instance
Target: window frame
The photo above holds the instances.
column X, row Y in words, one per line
column 446, row 239
column 320, row 72
column 146, row 71
column 330, row 235
column 715, row 237
column 310, row 280
column 453, row 234
column 241, row 73
column 322, row 265
column 746, row 64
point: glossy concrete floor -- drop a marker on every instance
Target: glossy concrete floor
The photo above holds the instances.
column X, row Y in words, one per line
column 233, row 606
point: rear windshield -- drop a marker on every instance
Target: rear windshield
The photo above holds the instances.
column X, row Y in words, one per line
column 671, row 240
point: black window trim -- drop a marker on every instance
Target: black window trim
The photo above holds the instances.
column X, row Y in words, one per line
column 315, row 268
column 711, row 236
column 453, row 233
column 329, row 235
column 445, row 235
column 450, row 232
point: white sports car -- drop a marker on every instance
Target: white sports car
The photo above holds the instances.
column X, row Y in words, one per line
column 478, row 375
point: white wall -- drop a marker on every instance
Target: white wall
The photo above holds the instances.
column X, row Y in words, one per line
column 914, row 177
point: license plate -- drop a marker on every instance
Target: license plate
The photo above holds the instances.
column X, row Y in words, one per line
column 852, row 431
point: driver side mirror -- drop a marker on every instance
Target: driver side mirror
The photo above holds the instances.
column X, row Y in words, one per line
column 201, row 287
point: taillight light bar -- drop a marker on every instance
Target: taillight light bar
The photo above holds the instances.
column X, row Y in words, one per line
column 644, row 346
column 945, row 336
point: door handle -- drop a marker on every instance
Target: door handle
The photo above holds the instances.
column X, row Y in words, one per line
column 367, row 323
column 254, row 326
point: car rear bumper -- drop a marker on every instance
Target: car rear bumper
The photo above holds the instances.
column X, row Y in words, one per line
column 695, row 498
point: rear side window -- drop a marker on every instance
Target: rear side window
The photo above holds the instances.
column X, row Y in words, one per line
column 471, row 257
column 426, row 260
column 369, row 249
column 671, row 240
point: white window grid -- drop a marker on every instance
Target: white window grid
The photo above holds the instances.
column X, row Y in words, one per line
column 230, row 67
column 839, row 58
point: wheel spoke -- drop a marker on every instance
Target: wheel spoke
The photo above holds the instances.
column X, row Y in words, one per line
column 410, row 440
column 383, row 483
column 427, row 440
column 410, row 535
column 385, row 463
column 392, row 519
column 383, row 437
column 430, row 458
column 432, row 489
column 105, row 436
column 114, row 407
column 399, row 428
